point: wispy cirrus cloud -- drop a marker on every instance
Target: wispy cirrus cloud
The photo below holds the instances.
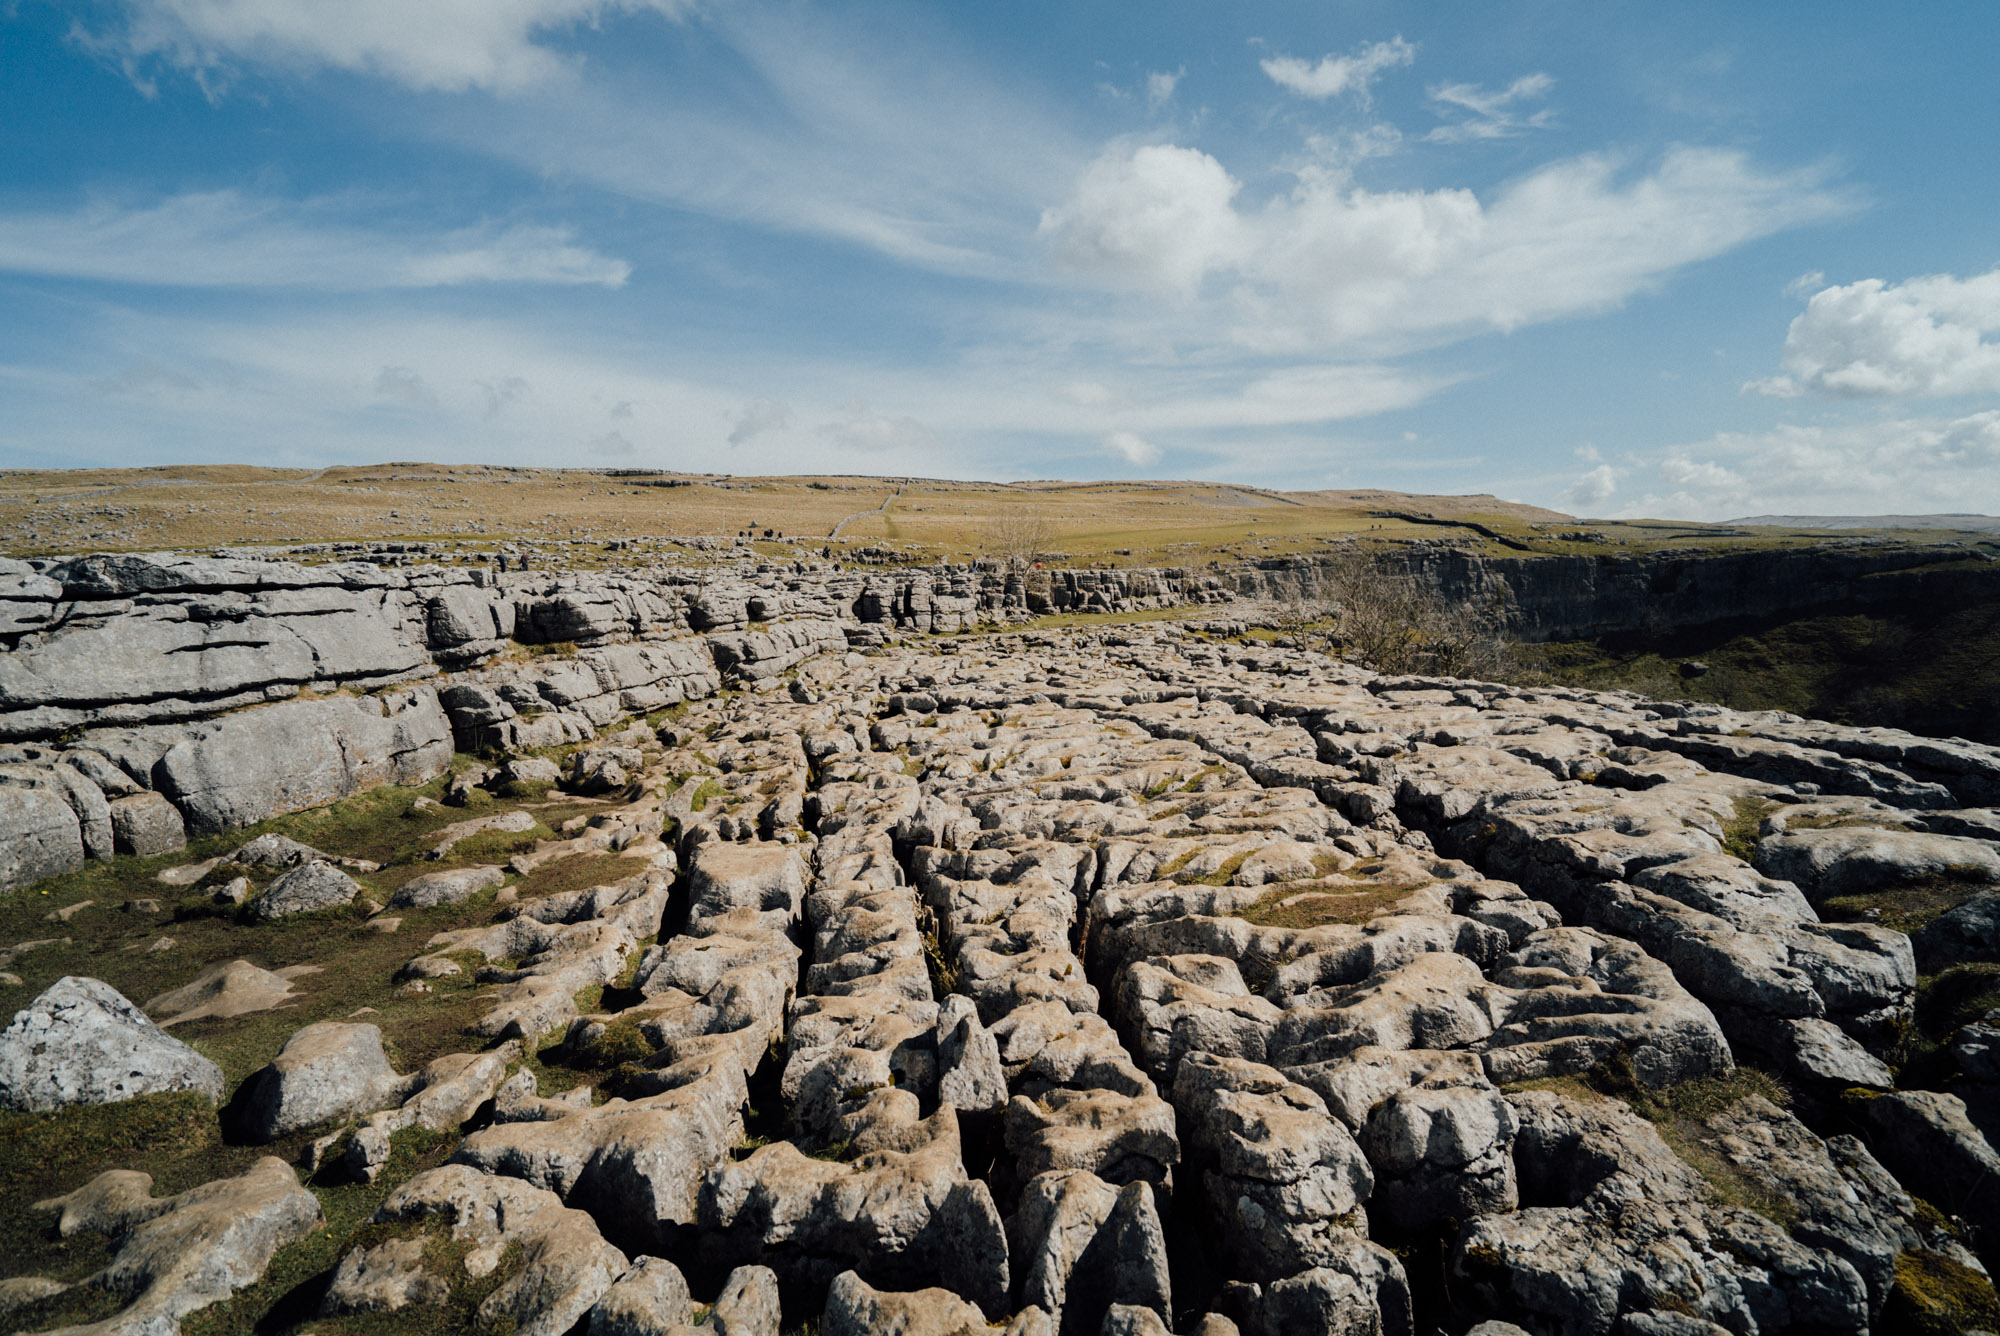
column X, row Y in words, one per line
column 1479, row 114
column 1333, row 76
column 226, row 239
column 433, row 46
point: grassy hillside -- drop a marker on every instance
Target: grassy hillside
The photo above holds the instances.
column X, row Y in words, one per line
column 474, row 508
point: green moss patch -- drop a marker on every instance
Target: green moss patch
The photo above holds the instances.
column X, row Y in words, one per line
column 1935, row 1296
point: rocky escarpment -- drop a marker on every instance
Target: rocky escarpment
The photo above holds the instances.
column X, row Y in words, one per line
column 1135, row 981
column 147, row 698
column 1582, row 597
column 153, row 697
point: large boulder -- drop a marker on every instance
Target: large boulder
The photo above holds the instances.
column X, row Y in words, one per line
column 1284, row 1179
column 325, row 1071
column 449, row 887
column 305, row 889
column 856, row 1308
column 82, row 1042
column 146, row 824
column 1442, row 1155
column 39, row 836
column 255, row 764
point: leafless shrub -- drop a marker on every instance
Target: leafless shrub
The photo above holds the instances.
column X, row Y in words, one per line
column 1383, row 617
column 1020, row 536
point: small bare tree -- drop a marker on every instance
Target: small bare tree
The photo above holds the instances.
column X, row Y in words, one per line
column 1020, row 536
column 1391, row 621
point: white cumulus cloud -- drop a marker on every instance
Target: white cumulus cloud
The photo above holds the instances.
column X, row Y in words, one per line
column 1591, row 490
column 1332, row 75
column 428, row 45
column 1158, row 216
column 1871, row 339
column 1892, row 466
column 1131, row 447
column 1330, row 263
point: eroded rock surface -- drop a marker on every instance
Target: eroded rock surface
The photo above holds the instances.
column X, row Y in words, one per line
column 1135, row 981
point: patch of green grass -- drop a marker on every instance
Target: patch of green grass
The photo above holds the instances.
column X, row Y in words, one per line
column 1740, row 831
column 704, row 793
column 576, row 872
column 1296, row 905
column 1229, row 867
column 1956, row 997
column 495, row 846
column 1912, row 904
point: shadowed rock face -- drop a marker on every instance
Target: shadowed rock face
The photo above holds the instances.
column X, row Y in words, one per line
column 1133, row 981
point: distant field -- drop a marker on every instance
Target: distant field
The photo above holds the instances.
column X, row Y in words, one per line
column 479, row 508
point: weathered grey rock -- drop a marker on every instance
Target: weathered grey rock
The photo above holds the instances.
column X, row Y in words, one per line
column 450, row 887
column 970, row 1077
column 1124, row 1262
column 1844, row 860
column 277, row 851
column 530, row 770
column 325, row 1071
column 443, row 1096
column 1832, row 1194
column 1926, row 1140
column 39, row 836
column 902, row 1209
column 1362, row 1292
column 1442, row 1155
column 1284, row 1179
column 81, row 1042
column 246, row 767
column 763, row 877
column 1614, row 1223
column 856, row 1308
column 145, row 824
column 651, row 1299
column 304, row 890
column 1127, row 1320
column 175, row 1255
column 1970, row 932
column 235, row 988
column 747, row 1306
column 565, row 1266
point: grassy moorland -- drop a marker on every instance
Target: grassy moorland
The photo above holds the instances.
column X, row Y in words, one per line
column 477, row 508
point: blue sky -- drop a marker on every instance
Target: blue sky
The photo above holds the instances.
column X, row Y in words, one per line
column 1690, row 260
